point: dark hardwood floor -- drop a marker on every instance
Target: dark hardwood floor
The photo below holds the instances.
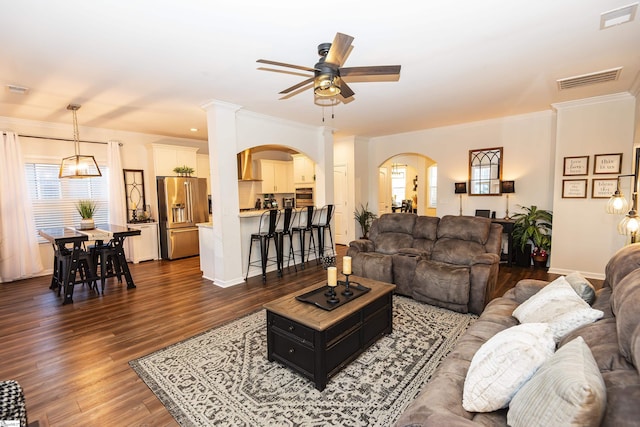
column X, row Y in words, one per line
column 72, row 360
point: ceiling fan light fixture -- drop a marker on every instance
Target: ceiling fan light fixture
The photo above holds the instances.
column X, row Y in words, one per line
column 327, row 84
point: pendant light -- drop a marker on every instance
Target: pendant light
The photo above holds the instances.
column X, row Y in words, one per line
column 78, row 166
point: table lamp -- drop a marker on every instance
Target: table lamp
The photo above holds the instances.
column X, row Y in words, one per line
column 507, row 187
column 460, row 188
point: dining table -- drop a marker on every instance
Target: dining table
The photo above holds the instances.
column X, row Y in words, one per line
column 60, row 237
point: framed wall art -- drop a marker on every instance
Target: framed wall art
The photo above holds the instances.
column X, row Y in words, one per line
column 603, row 188
column 574, row 166
column 607, row 163
column 574, row 188
column 134, row 192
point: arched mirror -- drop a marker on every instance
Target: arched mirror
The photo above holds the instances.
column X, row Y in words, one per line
column 485, row 171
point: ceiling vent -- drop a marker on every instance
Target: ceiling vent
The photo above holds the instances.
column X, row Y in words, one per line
column 589, row 79
column 618, row 16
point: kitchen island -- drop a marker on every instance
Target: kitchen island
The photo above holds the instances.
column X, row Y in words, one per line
column 205, row 235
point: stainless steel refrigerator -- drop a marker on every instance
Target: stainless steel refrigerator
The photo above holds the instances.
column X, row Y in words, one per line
column 182, row 203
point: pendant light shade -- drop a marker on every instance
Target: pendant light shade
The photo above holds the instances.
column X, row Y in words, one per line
column 78, row 166
column 617, row 204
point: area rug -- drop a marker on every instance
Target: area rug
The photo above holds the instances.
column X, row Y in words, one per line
column 222, row 376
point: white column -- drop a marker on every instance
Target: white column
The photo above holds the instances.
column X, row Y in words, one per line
column 226, row 247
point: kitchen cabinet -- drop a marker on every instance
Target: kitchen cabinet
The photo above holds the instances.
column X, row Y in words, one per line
column 145, row 246
column 276, row 176
column 304, row 169
column 167, row 157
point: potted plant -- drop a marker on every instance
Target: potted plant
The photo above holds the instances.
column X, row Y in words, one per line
column 533, row 227
column 364, row 217
column 86, row 209
column 183, row 170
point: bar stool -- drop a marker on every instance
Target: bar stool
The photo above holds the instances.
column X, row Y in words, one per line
column 104, row 257
column 286, row 230
column 266, row 233
column 302, row 228
column 62, row 264
column 322, row 225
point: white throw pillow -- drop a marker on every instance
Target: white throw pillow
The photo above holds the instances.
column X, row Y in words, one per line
column 567, row 390
column 559, row 305
column 503, row 364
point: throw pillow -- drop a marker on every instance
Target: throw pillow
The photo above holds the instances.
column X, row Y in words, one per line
column 503, row 363
column 568, row 389
column 558, row 305
column 582, row 286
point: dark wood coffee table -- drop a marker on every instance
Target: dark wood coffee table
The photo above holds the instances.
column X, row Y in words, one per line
column 318, row 343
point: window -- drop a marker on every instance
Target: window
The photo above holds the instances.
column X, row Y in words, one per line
column 54, row 200
column 433, row 186
column 398, row 184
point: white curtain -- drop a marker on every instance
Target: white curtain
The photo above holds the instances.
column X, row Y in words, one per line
column 117, row 199
column 19, row 250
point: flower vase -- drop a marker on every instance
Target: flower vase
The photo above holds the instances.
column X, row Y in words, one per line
column 87, row 224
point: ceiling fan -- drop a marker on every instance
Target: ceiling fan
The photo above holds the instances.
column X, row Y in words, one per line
column 328, row 73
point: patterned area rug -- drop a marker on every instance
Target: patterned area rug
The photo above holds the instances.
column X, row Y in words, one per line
column 223, row 377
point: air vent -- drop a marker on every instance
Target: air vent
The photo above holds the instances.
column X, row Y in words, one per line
column 589, row 79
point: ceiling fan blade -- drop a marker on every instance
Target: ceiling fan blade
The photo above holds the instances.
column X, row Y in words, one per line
column 297, row 91
column 294, row 87
column 375, row 70
column 339, row 49
column 282, row 64
column 345, row 90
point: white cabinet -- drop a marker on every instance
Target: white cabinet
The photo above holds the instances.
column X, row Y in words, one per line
column 167, row 157
column 276, row 176
column 304, row 169
column 145, row 246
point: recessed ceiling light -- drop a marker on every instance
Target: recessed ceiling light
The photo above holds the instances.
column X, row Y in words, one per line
column 618, row 16
column 17, row 89
column 194, row 129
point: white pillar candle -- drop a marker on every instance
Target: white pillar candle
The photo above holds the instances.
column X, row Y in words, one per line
column 346, row 265
column 332, row 276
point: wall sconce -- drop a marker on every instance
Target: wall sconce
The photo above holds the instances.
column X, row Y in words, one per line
column 460, row 188
column 507, row 187
column 617, row 204
column 78, row 166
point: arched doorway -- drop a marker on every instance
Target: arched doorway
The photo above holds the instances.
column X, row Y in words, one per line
column 408, row 176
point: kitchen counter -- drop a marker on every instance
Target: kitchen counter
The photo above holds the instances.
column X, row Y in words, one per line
column 257, row 212
column 252, row 213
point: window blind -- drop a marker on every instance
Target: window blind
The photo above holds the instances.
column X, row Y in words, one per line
column 54, row 200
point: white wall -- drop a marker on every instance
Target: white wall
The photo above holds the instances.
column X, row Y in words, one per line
column 528, row 144
column 584, row 236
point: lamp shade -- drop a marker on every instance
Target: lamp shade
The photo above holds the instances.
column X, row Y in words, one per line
column 507, row 187
column 79, row 167
column 461, row 187
column 617, row 204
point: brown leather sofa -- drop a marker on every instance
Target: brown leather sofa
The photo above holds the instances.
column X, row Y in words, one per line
column 451, row 262
column 614, row 341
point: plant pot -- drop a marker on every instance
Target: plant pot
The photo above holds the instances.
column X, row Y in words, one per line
column 87, row 224
column 540, row 261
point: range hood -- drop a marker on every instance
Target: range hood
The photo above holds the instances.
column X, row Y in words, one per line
column 245, row 167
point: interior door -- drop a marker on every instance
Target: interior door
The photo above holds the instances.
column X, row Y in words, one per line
column 384, row 192
column 341, row 223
